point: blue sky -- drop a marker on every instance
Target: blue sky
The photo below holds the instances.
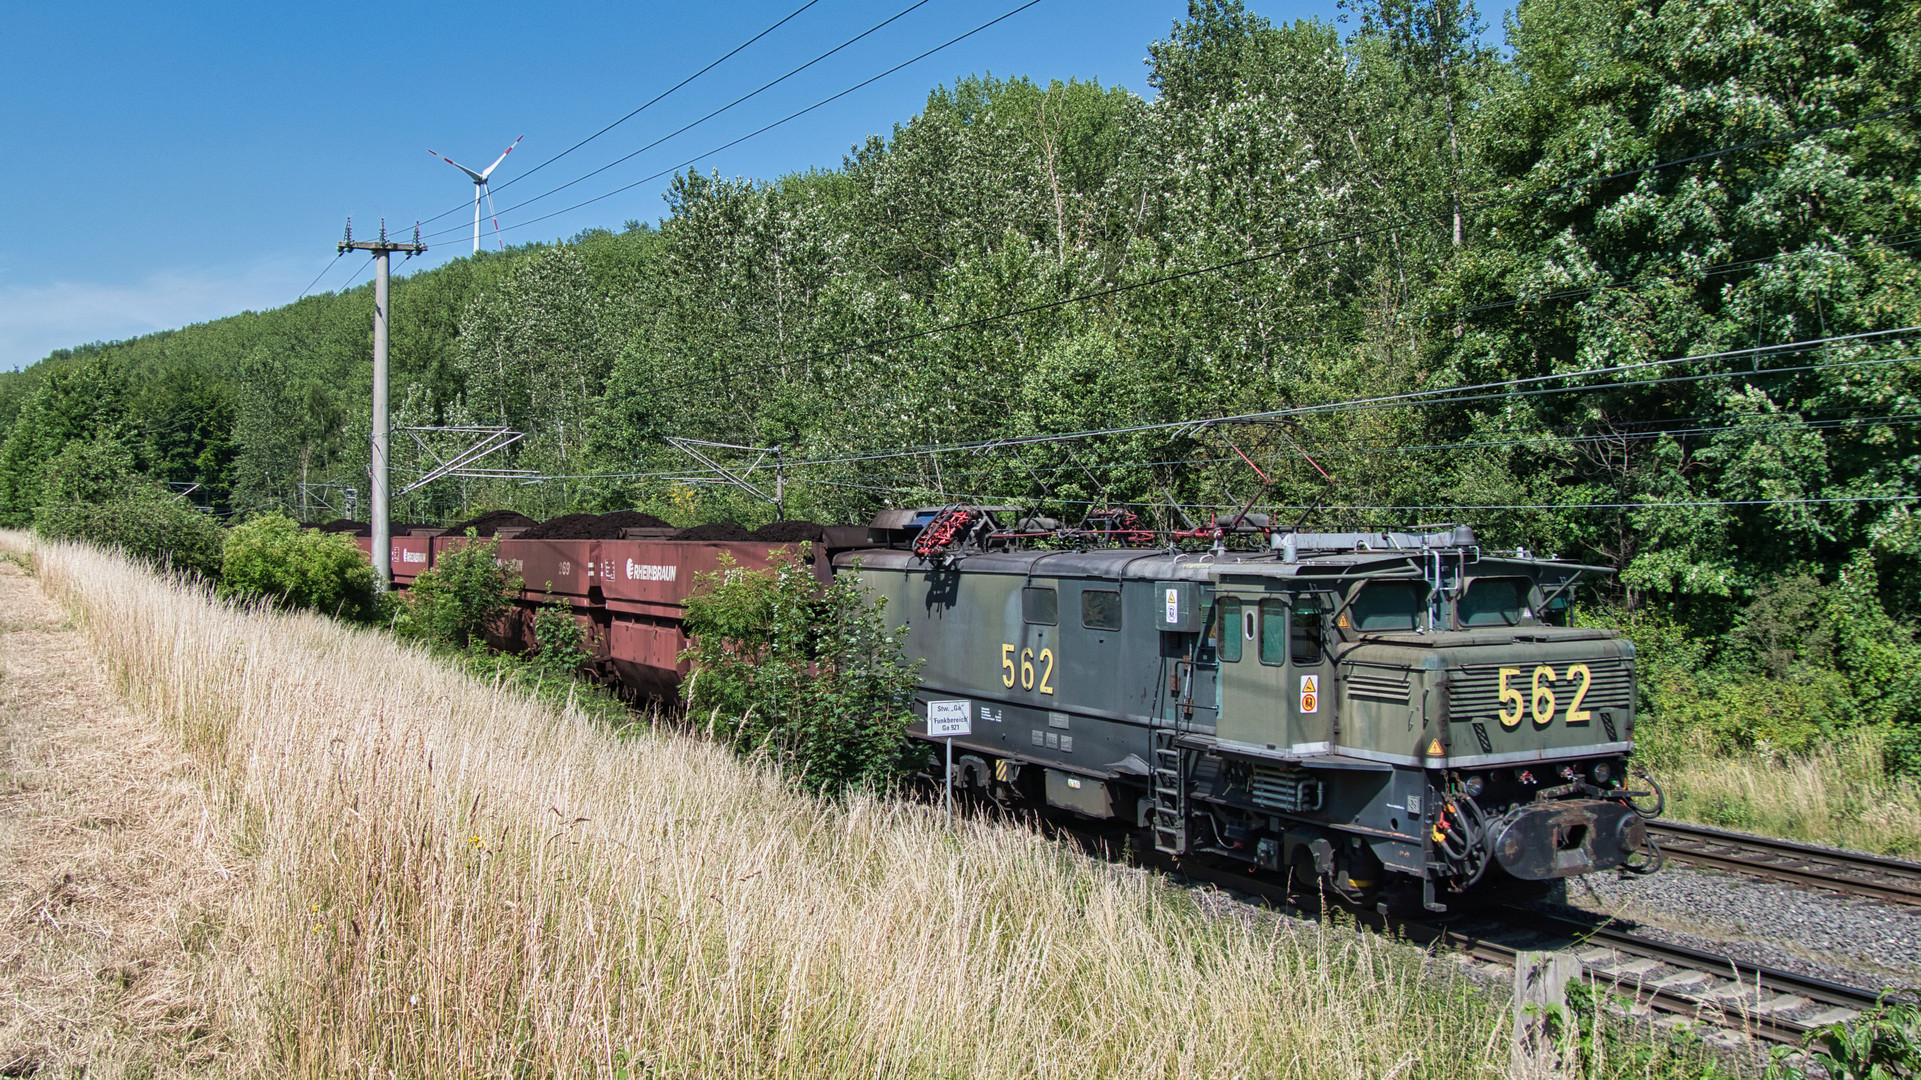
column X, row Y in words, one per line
column 168, row 164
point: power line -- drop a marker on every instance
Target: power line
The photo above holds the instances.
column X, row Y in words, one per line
column 356, row 274
column 1423, row 508
column 316, row 278
column 1788, row 348
column 785, row 119
column 1381, row 401
column 643, row 107
column 1324, row 452
column 696, row 123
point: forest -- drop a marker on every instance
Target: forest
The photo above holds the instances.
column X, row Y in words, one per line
column 1629, row 283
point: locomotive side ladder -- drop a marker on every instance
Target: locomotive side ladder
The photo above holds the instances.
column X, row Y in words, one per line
column 1170, row 793
column 1170, row 763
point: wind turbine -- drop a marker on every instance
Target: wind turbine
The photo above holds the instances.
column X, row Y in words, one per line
column 481, row 188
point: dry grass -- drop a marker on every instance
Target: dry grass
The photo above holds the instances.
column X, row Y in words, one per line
column 452, row 881
column 116, row 884
column 1840, row 795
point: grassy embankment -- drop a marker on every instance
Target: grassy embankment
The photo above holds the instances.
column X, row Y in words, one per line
column 1840, row 795
column 448, row 880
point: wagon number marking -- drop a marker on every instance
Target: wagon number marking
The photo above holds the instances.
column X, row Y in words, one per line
column 1543, row 701
column 1026, row 670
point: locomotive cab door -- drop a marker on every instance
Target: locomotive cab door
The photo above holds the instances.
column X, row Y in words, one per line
column 1277, row 680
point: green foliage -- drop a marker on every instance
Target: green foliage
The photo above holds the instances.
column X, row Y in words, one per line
column 809, row 676
column 455, row 602
column 1386, row 205
column 273, row 559
column 1594, row 1042
column 91, row 493
column 560, row 641
column 1882, row 1045
column 82, row 401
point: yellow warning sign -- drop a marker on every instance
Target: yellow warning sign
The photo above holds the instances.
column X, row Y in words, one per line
column 1434, row 749
column 1310, row 693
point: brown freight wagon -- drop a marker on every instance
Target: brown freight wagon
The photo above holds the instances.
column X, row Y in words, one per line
column 628, row 594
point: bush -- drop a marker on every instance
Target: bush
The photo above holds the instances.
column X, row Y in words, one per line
column 560, row 643
column 273, row 559
column 93, row 494
column 808, row 675
column 465, row 592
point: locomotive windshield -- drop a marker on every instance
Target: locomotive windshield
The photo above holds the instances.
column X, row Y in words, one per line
column 1494, row 602
column 1388, row 605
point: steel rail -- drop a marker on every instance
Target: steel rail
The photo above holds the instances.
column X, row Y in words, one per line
column 1855, row 873
column 1735, row 995
column 1735, row 1001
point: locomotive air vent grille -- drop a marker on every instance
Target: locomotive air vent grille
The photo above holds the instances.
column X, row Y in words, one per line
column 1474, row 692
column 1290, row 791
column 1378, row 684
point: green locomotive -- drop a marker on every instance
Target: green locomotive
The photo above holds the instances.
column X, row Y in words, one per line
column 1390, row 715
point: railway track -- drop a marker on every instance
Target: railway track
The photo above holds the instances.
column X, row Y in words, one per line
column 1656, row 981
column 1851, row 872
column 1740, row 997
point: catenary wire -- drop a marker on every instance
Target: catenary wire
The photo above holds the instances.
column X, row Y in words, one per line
column 1378, row 401
column 1394, row 399
column 1432, row 507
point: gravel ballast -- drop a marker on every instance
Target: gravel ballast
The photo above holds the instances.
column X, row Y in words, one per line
column 1847, row 939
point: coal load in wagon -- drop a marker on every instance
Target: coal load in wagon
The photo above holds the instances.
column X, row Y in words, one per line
column 719, row 530
column 630, row 519
column 565, row 527
column 789, row 532
column 592, row 526
column 346, row 525
column 492, row 522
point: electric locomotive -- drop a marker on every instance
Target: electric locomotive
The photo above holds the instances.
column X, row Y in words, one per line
column 1395, row 717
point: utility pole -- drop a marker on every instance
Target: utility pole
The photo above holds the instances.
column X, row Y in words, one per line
column 383, row 546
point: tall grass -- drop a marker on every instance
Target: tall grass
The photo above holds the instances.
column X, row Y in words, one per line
column 1840, row 794
column 450, row 880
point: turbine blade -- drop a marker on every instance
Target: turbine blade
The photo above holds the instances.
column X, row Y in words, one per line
column 477, row 177
column 489, row 171
column 493, row 213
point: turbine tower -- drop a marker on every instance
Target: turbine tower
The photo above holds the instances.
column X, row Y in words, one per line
column 480, row 187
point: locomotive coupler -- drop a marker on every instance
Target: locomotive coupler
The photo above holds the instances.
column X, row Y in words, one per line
column 1543, row 841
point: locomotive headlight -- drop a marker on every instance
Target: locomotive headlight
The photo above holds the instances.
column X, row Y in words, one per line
column 1474, row 786
column 1601, row 772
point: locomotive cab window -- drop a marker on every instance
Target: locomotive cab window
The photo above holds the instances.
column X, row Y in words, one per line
column 1305, row 640
column 1273, row 631
column 1494, row 602
column 1388, row 605
column 1555, row 611
column 1100, row 609
column 1040, row 605
column 1228, row 626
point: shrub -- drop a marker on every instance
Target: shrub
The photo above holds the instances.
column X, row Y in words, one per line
column 810, row 676
column 93, row 494
column 560, row 643
column 460, row 596
column 272, row 558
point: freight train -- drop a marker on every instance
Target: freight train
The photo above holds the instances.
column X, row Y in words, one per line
column 1402, row 719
